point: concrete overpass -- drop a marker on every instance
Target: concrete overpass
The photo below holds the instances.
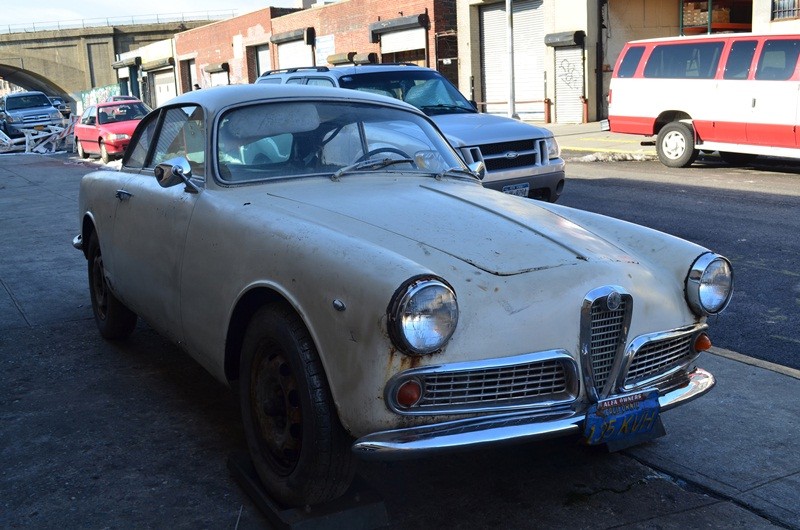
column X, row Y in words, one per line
column 68, row 61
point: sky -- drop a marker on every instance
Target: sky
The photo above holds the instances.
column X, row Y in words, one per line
column 15, row 12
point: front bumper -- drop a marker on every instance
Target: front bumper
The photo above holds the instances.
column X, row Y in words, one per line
column 504, row 428
column 543, row 186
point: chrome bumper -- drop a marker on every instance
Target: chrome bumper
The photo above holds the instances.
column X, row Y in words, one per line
column 479, row 431
column 77, row 242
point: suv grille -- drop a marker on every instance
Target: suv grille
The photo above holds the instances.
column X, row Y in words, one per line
column 509, row 155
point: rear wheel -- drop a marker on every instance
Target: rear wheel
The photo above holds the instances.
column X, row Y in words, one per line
column 114, row 320
column 79, row 147
column 737, row 159
column 675, row 145
column 298, row 446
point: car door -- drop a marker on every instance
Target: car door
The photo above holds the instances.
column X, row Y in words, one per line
column 85, row 130
column 151, row 222
column 774, row 94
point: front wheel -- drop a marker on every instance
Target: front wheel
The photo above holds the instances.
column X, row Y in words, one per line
column 79, row 146
column 298, row 446
column 114, row 320
column 675, row 145
column 104, row 156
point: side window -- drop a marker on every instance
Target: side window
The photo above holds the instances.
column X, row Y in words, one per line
column 89, row 116
column 778, row 60
column 181, row 133
column 739, row 59
column 319, row 81
column 697, row 60
column 630, row 62
column 295, row 81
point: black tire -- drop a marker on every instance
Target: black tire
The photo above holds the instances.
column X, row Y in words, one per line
column 298, row 446
column 114, row 320
column 104, row 153
column 675, row 145
column 737, row 159
column 79, row 147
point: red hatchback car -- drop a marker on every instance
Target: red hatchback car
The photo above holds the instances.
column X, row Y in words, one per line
column 106, row 128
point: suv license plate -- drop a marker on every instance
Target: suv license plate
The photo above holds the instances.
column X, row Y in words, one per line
column 520, row 190
column 621, row 418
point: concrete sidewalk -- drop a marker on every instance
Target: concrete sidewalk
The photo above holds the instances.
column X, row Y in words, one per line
column 588, row 142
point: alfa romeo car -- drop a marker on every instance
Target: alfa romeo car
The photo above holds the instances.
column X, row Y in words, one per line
column 328, row 255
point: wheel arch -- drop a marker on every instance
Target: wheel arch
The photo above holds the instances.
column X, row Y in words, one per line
column 87, row 229
column 243, row 312
column 669, row 116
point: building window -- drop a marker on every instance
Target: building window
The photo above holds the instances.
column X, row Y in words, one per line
column 782, row 9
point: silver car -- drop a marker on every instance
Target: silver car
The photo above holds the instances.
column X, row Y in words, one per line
column 330, row 255
column 27, row 110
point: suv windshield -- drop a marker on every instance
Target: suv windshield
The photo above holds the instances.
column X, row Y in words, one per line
column 27, row 101
column 426, row 90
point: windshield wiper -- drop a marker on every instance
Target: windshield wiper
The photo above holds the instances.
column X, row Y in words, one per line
column 447, row 107
column 370, row 164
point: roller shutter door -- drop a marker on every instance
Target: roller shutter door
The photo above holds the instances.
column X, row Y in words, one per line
column 294, row 54
column 164, row 84
column 569, row 84
column 529, row 52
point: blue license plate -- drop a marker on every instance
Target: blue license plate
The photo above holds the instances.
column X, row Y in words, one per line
column 521, row 190
column 621, row 418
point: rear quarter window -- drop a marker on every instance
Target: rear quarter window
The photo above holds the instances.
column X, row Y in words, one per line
column 629, row 63
column 778, row 60
column 693, row 60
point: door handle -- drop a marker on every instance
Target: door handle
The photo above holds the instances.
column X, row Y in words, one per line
column 753, row 104
column 123, row 195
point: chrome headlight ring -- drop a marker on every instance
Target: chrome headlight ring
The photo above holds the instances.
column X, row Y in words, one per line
column 422, row 315
column 709, row 285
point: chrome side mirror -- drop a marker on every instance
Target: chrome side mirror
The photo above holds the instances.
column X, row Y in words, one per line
column 478, row 168
column 173, row 172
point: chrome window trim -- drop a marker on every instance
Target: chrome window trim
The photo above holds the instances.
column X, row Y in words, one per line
column 570, row 369
column 586, row 339
column 641, row 341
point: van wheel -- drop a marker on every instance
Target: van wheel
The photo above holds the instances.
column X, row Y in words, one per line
column 737, row 159
column 298, row 447
column 675, row 145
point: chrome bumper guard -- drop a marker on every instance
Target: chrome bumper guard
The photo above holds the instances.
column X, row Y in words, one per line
column 496, row 429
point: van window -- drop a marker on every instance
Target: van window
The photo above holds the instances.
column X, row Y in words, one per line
column 631, row 60
column 739, row 59
column 697, row 60
column 778, row 60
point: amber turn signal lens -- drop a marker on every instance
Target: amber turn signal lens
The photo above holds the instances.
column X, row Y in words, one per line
column 409, row 393
column 702, row 342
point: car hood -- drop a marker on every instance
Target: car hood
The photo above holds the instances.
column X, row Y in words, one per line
column 120, row 127
column 495, row 232
column 466, row 130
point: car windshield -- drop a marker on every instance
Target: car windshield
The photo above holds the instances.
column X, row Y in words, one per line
column 425, row 89
column 278, row 140
column 121, row 112
column 28, row 101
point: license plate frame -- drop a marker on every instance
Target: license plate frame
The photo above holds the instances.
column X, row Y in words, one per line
column 520, row 190
column 623, row 420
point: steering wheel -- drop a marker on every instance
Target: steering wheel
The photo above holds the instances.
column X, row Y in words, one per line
column 394, row 150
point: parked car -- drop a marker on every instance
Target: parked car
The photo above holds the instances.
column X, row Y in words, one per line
column 329, row 254
column 520, row 158
column 62, row 107
column 27, row 110
column 105, row 129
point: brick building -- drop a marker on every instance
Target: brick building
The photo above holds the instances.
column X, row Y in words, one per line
column 238, row 50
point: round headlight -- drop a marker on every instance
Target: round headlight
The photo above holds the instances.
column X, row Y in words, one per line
column 710, row 284
column 423, row 316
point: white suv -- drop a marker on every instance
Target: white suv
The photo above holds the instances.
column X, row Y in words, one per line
column 520, row 158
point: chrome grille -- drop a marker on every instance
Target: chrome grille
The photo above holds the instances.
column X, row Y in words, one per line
column 607, row 327
column 527, row 153
column 659, row 356
column 494, row 385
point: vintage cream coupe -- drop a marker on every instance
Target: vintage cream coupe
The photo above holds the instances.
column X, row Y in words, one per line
column 328, row 254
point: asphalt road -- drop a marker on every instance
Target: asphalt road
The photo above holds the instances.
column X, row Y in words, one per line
column 98, row 434
column 749, row 215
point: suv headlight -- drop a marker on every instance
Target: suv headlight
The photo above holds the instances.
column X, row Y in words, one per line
column 422, row 316
column 709, row 284
column 55, row 115
column 553, row 151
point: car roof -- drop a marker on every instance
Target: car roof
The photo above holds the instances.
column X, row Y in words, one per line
column 217, row 98
column 20, row 94
column 343, row 70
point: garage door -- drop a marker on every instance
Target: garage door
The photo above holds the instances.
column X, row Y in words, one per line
column 529, row 53
column 164, row 84
column 569, row 84
column 294, row 54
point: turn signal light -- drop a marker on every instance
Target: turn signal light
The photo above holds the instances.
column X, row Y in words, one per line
column 409, row 393
column 702, row 342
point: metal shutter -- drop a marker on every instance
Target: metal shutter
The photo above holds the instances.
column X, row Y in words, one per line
column 569, row 84
column 164, row 84
column 529, row 52
column 263, row 59
column 295, row 53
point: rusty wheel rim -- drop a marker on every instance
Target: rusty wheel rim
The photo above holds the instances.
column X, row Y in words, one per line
column 276, row 409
